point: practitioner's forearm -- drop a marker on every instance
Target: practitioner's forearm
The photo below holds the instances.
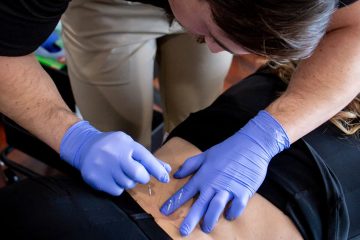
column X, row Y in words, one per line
column 323, row 84
column 30, row 98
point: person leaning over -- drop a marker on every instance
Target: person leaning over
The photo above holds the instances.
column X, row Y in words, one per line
column 323, row 36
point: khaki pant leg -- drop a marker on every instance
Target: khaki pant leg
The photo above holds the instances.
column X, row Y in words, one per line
column 96, row 35
column 118, row 105
column 191, row 77
column 110, row 46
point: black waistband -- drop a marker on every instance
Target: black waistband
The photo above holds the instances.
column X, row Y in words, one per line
column 142, row 219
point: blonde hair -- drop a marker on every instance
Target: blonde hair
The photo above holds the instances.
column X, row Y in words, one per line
column 347, row 120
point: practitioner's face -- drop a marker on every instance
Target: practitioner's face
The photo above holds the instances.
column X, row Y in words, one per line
column 195, row 16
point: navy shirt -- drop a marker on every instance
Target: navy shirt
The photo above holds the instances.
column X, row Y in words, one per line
column 25, row 24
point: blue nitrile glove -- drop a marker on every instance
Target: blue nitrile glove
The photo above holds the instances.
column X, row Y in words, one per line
column 112, row 161
column 230, row 171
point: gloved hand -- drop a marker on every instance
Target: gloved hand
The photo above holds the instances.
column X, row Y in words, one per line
column 230, row 171
column 110, row 162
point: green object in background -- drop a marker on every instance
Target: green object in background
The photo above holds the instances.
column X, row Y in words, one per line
column 50, row 62
column 52, row 50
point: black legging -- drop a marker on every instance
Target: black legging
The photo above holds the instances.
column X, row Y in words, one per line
column 64, row 208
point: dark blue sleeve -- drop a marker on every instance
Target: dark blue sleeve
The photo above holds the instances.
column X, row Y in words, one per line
column 25, row 24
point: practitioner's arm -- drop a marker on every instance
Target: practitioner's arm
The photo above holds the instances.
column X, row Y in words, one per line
column 30, row 97
column 326, row 82
column 109, row 162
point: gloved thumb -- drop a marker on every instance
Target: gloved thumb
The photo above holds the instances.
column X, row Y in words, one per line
column 166, row 166
column 190, row 166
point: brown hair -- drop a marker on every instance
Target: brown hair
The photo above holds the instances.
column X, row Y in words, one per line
column 278, row 29
column 347, row 120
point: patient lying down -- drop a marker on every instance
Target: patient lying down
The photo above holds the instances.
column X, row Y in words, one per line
column 319, row 204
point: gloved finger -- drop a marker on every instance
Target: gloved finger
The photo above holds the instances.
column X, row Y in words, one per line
column 183, row 195
column 151, row 164
column 135, row 171
column 196, row 212
column 236, row 208
column 190, row 166
column 122, row 180
column 114, row 191
column 216, row 207
column 165, row 165
column 101, row 183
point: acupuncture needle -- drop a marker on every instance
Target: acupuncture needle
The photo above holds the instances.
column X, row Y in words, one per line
column 149, row 190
